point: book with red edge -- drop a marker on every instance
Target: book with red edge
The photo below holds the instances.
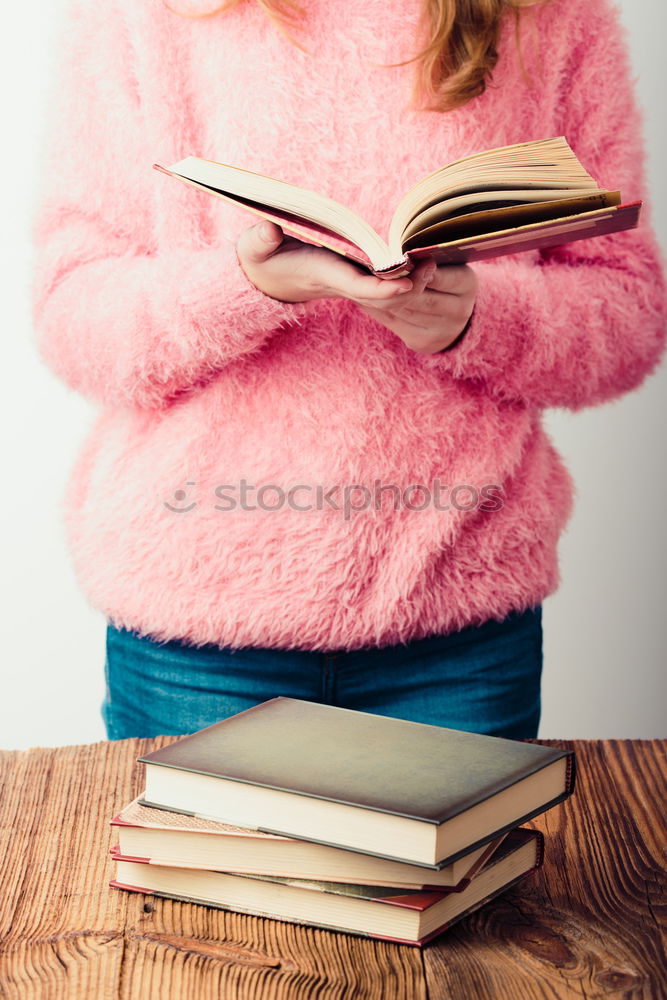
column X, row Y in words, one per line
column 400, row 915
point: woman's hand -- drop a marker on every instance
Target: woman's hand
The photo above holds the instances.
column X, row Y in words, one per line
column 427, row 311
column 431, row 316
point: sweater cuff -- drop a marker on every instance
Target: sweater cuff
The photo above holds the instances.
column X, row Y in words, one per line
column 216, row 290
column 457, row 340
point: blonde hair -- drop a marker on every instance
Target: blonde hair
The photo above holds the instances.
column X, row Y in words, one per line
column 459, row 42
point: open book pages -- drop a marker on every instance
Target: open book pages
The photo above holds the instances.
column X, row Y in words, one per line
column 495, row 191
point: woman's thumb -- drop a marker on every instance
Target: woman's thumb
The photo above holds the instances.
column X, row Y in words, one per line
column 260, row 241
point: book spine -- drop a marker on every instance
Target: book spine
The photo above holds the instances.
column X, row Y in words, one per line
column 571, row 773
column 398, row 269
column 539, row 847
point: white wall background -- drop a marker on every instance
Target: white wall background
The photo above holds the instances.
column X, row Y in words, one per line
column 605, row 630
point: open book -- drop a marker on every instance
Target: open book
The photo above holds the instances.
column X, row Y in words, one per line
column 520, row 197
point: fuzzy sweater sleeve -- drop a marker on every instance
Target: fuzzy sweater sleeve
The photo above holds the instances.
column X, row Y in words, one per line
column 118, row 316
column 586, row 321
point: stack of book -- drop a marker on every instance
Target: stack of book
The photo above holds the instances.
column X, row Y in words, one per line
column 338, row 819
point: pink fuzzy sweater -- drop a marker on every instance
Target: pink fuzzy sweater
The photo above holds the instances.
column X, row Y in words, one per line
column 205, row 384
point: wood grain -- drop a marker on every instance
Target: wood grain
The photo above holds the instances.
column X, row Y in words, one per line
column 590, row 925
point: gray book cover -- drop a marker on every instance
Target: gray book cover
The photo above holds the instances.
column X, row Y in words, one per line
column 409, row 769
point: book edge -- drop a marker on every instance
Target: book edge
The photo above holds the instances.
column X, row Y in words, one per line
column 437, row 866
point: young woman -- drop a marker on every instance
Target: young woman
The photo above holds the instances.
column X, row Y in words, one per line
column 303, row 480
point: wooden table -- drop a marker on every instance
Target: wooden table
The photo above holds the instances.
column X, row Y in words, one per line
column 588, row 925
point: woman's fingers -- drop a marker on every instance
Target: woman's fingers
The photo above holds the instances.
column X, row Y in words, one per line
column 455, row 278
column 399, row 325
column 399, row 292
column 349, row 282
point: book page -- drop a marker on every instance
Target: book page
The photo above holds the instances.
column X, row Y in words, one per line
column 548, row 163
column 493, row 219
column 266, row 195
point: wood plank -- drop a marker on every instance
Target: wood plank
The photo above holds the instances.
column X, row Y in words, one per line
column 66, row 934
column 591, row 924
column 239, row 956
column 68, row 965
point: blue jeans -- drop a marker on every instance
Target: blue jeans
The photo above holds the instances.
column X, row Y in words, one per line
column 483, row 679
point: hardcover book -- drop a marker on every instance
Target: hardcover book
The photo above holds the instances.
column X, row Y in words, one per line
column 157, row 836
column 409, row 792
column 529, row 195
column 399, row 914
